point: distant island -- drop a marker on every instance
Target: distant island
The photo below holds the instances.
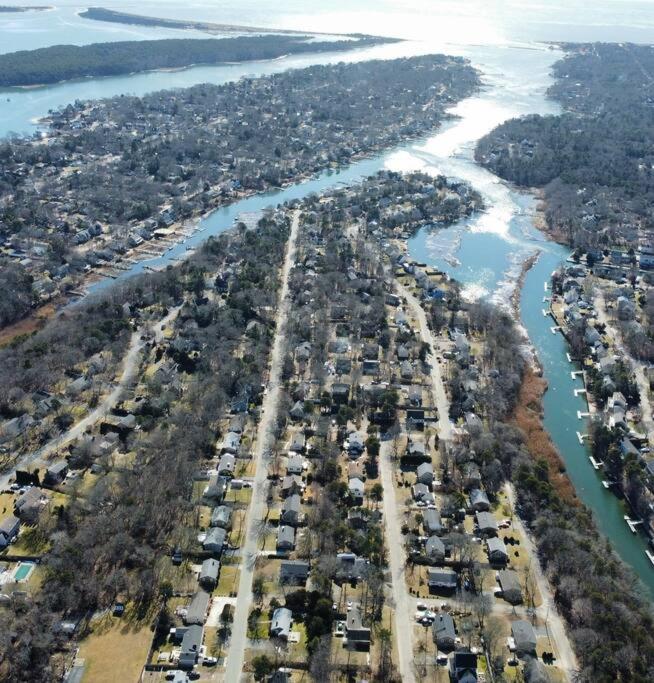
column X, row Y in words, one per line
column 65, row 62
column 24, row 8
column 102, row 14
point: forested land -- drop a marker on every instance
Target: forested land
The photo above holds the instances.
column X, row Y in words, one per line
column 117, row 163
column 595, row 161
column 65, row 62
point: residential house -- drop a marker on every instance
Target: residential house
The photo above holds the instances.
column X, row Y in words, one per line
column 431, row 521
column 191, row 644
column 471, row 476
column 215, row 490
column 435, row 549
column 357, row 635
column 356, row 490
column 196, row 612
column 221, row 516
column 28, row 505
column 350, row 567
column 282, row 621
column 443, row 631
column 295, row 464
column 209, row 573
column 291, row 484
column 226, row 465
column 406, row 370
column 497, row 553
column 237, row 424
column 354, row 445
column 463, row 667
column 486, row 523
column 510, row 585
column 231, row 443
column 297, row 411
column 422, row 494
column 294, row 572
column 9, row 528
column 291, row 510
column 442, row 580
column 425, row 473
column 340, row 393
column 479, row 501
column 524, row 637
column 285, row 538
column 215, row 540
column 56, row 473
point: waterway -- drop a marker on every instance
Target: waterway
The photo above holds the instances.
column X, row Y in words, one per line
column 484, row 252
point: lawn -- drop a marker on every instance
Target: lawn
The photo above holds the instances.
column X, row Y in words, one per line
column 116, row 645
column 228, row 581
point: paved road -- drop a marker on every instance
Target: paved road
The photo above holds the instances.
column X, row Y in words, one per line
column 438, row 387
column 130, row 366
column 264, row 442
column 403, row 607
column 637, row 366
column 547, row 609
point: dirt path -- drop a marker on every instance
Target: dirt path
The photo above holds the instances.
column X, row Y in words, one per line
column 547, row 611
column 264, row 443
column 130, row 366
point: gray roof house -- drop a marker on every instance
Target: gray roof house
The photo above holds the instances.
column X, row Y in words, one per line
column 497, row 553
column 422, row 493
column 355, row 444
column 230, row 443
column 215, row 540
column 294, row 572
column 196, row 612
column 227, row 464
column 479, row 501
column 297, row 410
column 295, row 464
column 191, row 643
column 435, row 549
column 524, row 636
column 510, row 585
column 356, row 489
column 406, row 370
column 291, row 509
column 285, row 538
column 291, row 484
column 351, row 567
column 425, row 473
column 56, row 473
column 209, row 573
column 487, row 524
column 221, row 516
column 9, row 528
column 442, row 580
column 463, row 667
column 298, row 443
column 281, row 623
column 443, row 631
column 431, row 521
column 215, row 490
column 357, row 635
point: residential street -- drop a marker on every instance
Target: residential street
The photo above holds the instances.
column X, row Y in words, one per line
column 547, row 610
column 264, row 442
column 130, row 367
column 403, row 605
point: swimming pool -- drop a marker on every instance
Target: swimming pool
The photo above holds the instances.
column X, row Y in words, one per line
column 23, row 570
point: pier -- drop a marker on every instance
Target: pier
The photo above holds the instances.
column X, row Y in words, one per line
column 555, row 329
column 632, row 523
column 575, row 373
column 578, row 392
column 596, row 465
column 581, row 416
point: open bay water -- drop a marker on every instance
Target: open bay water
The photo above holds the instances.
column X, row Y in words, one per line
column 484, row 252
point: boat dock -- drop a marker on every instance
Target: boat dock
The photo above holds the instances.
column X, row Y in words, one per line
column 596, row 465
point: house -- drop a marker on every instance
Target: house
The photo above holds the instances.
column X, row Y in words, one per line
column 237, row 424
column 435, row 549
column 510, row 585
column 357, row 635
column 471, row 476
column 356, row 470
column 421, row 493
column 343, row 365
column 215, row 540
column 295, row 464
column 340, row 393
column 370, row 367
column 402, row 353
column 486, row 524
column 291, row 484
column 524, row 637
column 350, row 567
column 431, row 521
column 479, row 501
column 406, row 370
column 441, row 580
column 226, row 465
column 209, row 573
column 415, row 419
column 463, row 667
column 215, row 490
column 356, row 490
column 56, row 473
column 9, row 528
column 28, row 505
column 425, row 473
column 196, row 612
column 221, row 516
column 291, row 510
column 282, row 621
column 191, row 644
column 294, row 572
column 298, row 443
column 496, row 549
column 297, row 411
column 443, row 631
column 231, row 443
column 354, row 445
column 415, row 395
column 285, row 538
